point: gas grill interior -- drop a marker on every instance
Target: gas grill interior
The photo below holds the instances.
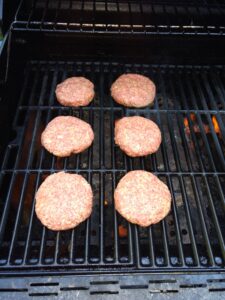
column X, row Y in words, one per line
column 165, row 40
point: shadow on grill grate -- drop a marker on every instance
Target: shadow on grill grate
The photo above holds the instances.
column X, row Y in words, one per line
column 189, row 109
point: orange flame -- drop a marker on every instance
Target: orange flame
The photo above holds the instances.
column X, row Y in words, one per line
column 122, row 231
column 206, row 127
column 185, row 122
column 192, row 117
column 215, row 124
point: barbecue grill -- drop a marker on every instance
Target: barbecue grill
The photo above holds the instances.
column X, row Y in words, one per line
column 180, row 46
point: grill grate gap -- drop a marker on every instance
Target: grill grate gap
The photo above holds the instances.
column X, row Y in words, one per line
column 104, row 292
column 217, row 290
column 189, row 162
column 133, row 287
column 44, row 284
column 75, row 288
column 187, row 286
column 42, row 294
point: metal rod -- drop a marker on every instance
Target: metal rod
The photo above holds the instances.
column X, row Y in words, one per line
column 37, row 105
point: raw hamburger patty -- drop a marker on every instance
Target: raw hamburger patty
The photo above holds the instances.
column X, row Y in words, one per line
column 65, row 135
column 133, row 90
column 137, row 136
column 141, row 198
column 75, row 91
column 63, row 201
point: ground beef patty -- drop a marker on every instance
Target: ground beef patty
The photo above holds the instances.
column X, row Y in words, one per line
column 133, row 90
column 137, row 136
column 141, row 198
column 63, row 201
column 65, row 135
column 75, row 91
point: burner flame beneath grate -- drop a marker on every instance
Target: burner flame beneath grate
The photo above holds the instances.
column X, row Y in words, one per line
column 216, row 126
column 192, row 122
column 122, row 231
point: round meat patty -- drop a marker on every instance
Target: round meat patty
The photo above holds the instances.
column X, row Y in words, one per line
column 65, row 135
column 137, row 136
column 141, row 198
column 75, row 91
column 133, row 90
column 63, row 201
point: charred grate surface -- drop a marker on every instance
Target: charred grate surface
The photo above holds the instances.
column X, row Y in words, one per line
column 189, row 109
column 148, row 17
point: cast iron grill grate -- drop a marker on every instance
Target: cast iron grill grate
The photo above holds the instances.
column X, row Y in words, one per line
column 146, row 17
column 189, row 109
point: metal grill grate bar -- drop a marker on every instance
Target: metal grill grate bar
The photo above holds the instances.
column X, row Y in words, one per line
column 190, row 160
column 155, row 17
